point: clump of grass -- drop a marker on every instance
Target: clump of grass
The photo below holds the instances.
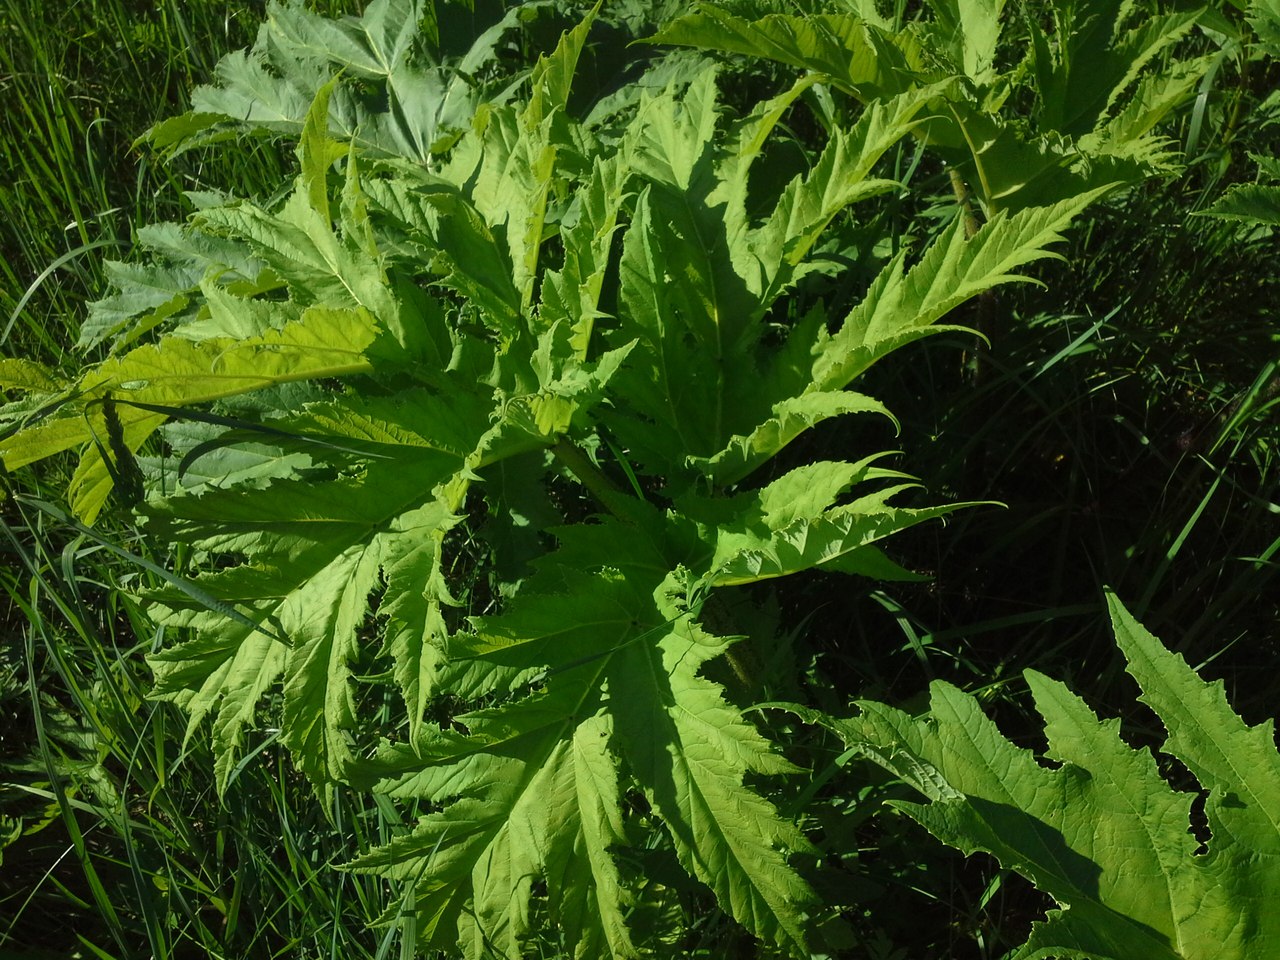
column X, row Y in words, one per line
column 125, row 849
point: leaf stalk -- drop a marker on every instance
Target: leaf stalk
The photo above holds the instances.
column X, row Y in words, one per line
column 590, row 476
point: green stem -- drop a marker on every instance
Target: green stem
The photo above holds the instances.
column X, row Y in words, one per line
column 985, row 318
column 976, row 362
column 961, row 191
column 597, row 484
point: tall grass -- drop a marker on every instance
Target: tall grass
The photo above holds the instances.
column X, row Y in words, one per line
column 80, row 81
column 127, row 852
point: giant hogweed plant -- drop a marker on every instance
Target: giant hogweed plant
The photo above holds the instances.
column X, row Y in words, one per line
column 540, row 328
column 1071, row 101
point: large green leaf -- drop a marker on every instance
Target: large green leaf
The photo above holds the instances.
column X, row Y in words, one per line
column 426, row 99
column 323, row 342
column 1083, row 75
column 313, row 555
column 474, row 864
column 698, row 278
column 1101, row 830
column 903, row 306
column 690, row 750
column 615, row 669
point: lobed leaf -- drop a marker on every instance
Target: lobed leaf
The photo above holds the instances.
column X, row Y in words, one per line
column 690, row 750
column 903, row 306
column 313, row 555
column 1102, row 831
column 855, row 54
column 175, row 372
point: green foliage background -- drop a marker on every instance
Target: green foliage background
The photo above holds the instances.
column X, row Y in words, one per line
column 1124, row 413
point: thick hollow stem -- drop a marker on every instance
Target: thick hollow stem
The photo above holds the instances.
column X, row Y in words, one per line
column 586, row 473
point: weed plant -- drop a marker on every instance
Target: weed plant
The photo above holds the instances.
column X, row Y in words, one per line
column 1124, row 419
